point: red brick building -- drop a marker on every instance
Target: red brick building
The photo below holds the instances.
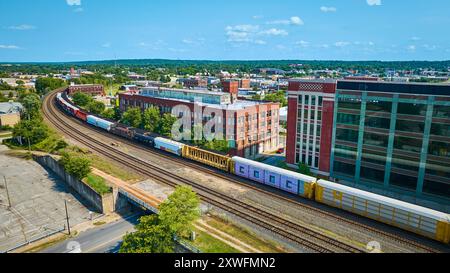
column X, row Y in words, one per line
column 231, row 87
column 194, row 82
column 310, row 123
column 92, row 89
column 250, row 127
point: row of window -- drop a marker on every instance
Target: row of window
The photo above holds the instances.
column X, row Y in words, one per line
column 313, row 98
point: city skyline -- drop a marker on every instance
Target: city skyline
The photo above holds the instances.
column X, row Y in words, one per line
column 246, row 30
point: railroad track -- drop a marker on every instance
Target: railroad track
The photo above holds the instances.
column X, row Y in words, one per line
column 205, row 169
column 302, row 235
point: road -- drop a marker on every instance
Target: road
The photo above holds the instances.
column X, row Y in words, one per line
column 104, row 239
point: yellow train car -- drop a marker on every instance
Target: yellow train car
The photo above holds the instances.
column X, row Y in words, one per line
column 218, row 161
column 426, row 222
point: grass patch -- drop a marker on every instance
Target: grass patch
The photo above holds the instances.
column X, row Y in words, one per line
column 245, row 236
column 48, row 244
column 20, row 154
column 98, row 184
column 100, row 223
column 208, row 244
column 112, row 169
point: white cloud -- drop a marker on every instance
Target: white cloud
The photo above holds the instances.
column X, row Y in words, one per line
column 295, row 20
column 73, row 2
column 430, row 47
column 256, row 17
column 374, row 2
column 302, row 43
column 281, row 47
column 328, row 9
column 106, row 45
column 243, row 28
column 260, row 42
column 341, row 44
column 22, row 27
column 275, row 32
column 415, row 38
column 9, row 47
column 78, row 10
column 411, row 48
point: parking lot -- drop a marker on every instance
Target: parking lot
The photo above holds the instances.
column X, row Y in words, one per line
column 37, row 198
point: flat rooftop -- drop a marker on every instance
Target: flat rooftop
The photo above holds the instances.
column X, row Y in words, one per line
column 237, row 105
column 395, row 87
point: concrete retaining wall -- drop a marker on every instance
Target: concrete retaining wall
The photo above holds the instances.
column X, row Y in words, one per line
column 103, row 204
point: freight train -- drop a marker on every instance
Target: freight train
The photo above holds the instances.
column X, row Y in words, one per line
column 420, row 220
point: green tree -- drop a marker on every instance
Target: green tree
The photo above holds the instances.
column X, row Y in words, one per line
column 82, row 99
column 132, row 117
column 32, row 104
column 96, row 107
column 109, row 114
column 151, row 119
column 165, row 125
column 30, row 132
column 180, row 210
column 76, row 165
column 44, row 85
column 304, row 169
column 150, row 237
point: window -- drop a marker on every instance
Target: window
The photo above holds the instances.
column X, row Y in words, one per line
column 349, row 104
column 412, row 109
column 408, row 144
column 345, row 152
column 256, row 174
column 441, row 111
column 348, row 119
column 344, row 168
column 241, row 169
column 372, row 175
column 376, row 139
column 440, row 129
column 347, row 135
column 379, row 106
column 403, row 181
column 437, row 148
column 375, row 122
column 272, row 179
column 320, row 101
column 410, row 126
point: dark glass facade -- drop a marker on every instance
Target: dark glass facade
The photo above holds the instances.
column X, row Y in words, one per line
column 387, row 136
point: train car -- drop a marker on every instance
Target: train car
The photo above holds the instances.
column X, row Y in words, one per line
column 144, row 137
column 212, row 159
column 81, row 115
column 98, row 122
column 122, row 131
column 427, row 222
column 282, row 179
column 169, row 146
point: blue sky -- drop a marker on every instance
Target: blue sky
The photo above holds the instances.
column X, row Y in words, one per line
column 75, row 30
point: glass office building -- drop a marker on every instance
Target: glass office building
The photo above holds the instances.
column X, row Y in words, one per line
column 393, row 136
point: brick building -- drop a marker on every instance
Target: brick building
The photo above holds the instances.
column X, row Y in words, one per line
column 194, row 82
column 250, row 127
column 92, row 89
column 310, row 123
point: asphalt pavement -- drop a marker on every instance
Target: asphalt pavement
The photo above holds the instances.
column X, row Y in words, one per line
column 104, row 239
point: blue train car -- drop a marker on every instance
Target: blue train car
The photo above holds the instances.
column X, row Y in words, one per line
column 98, row 122
column 169, row 146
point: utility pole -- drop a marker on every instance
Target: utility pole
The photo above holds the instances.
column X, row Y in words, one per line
column 67, row 216
column 7, row 192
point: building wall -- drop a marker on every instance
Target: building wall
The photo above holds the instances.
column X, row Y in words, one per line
column 95, row 90
column 9, row 119
column 310, row 123
column 250, row 130
column 397, row 140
